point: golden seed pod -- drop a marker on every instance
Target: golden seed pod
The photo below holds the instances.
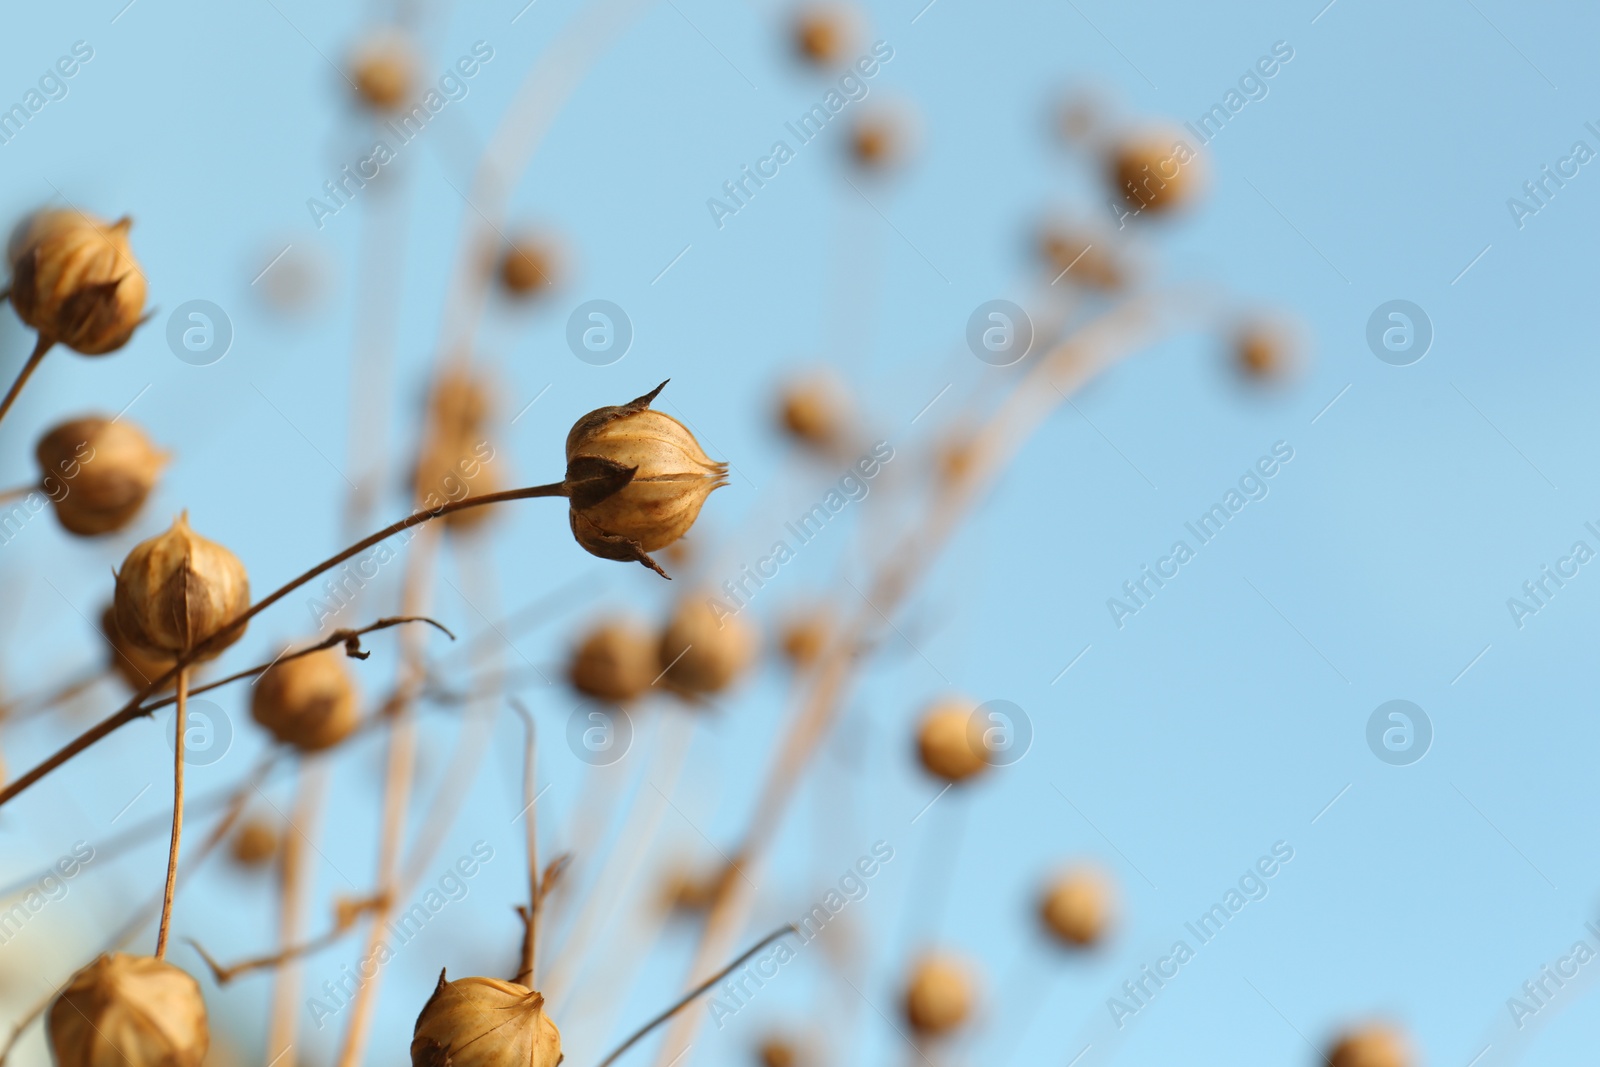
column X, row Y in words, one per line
column 615, row 661
column 1076, row 907
column 805, row 634
column 1077, row 257
column 815, row 412
column 702, row 653
column 1375, row 1046
column 97, row 472
column 1154, row 172
column 824, row 34
column 945, row 742
column 255, row 843
column 177, row 589
column 530, row 265
column 461, row 403
column 136, row 667
column 696, row 890
column 454, row 467
column 939, row 995
column 484, row 1022
column 777, row 1052
column 1266, row 350
column 309, row 702
column 637, row 479
column 76, row 282
column 383, row 73
column 129, row 1011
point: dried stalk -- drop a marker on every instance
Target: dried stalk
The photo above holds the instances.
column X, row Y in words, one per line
column 39, row 349
column 180, row 727
column 312, row 790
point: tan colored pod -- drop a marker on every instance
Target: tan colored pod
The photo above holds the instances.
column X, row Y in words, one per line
column 309, row 702
column 702, row 652
column 129, row 1011
column 76, row 281
column 615, row 661
column 177, row 589
column 939, row 995
column 484, row 1022
column 97, row 472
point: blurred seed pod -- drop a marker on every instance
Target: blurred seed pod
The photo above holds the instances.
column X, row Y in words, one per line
column 97, row 472
column 615, row 661
column 777, row 1052
column 826, row 34
column 530, row 265
column 255, row 843
column 453, row 467
column 1080, row 256
column 77, row 283
column 1076, row 907
column 1080, row 117
column 461, row 403
column 816, row 411
column 1267, row 350
column 1374, row 1046
column 695, row 890
column 939, row 995
column 702, row 653
column 484, row 1022
column 309, row 702
column 945, row 744
column 804, row 634
column 136, row 667
column 177, row 589
column 129, row 1011
column 883, row 137
column 1154, row 171
column 384, row 70
column 957, row 454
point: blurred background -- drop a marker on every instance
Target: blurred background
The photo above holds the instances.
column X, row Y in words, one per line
column 1171, row 747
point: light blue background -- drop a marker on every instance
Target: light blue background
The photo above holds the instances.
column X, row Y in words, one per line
column 1223, row 718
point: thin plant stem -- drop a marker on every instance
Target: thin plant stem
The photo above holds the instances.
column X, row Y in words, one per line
column 311, row 791
column 180, row 725
column 28, row 368
column 132, row 710
column 530, row 813
column 16, row 491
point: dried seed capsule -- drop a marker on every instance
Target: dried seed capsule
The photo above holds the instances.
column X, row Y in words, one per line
column 637, row 479
column 97, row 472
column 882, row 138
column 939, row 995
column 702, row 653
column 815, row 412
column 530, row 265
column 1375, row 1046
column 383, row 74
column 255, row 843
column 461, row 403
column 805, row 634
column 824, row 34
column 615, row 661
column 1076, row 908
column 777, row 1052
column 696, row 890
column 129, row 1011
column 1154, row 172
column 177, row 589
column 77, row 283
column 484, row 1022
column 309, row 702
column 1266, row 350
column 452, row 468
column 137, row 667
column 945, row 742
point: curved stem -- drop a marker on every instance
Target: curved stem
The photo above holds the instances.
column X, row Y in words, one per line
column 132, row 710
column 179, row 726
column 27, row 372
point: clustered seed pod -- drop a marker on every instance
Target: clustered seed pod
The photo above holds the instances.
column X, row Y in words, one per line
column 484, row 1022
column 701, row 653
column 255, row 843
column 824, row 34
column 1154, row 172
column 616, row 661
column 530, row 265
column 97, row 472
column 1374, row 1046
column 383, row 74
column 637, row 479
column 1076, row 907
column 129, row 1011
column 76, row 281
column 177, row 589
column 309, row 702
column 945, row 741
column 939, row 995
column 136, row 667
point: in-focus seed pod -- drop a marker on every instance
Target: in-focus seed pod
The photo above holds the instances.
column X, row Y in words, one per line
column 702, row 653
column 76, row 282
column 939, row 995
column 255, row 843
column 484, row 1022
column 637, row 480
column 815, row 412
column 129, row 1011
column 1076, row 908
column 615, row 661
column 824, row 34
column 1375, row 1046
column 309, row 702
column 177, row 589
column 136, row 667
column 945, row 742
column 529, row 265
column 97, row 472
column 383, row 74
column 1154, row 172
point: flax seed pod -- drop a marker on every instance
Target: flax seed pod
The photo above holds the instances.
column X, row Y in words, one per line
column 805, row 634
column 816, row 412
column 461, row 404
column 615, row 661
column 129, row 1011
column 945, row 744
column 1079, row 256
column 1076, row 907
column 777, row 1052
column 530, row 265
column 1266, row 350
column 256, row 843
column 97, row 472
column 383, row 71
column 77, row 283
column 1372, row 1046
column 454, row 467
column 178, row 589
column 939, row 995
column 309, row 702
column 825, row 34
column 703, row 653
column 1154, row 172
column 883, row 137
column 133, row 665
column 484, row 1022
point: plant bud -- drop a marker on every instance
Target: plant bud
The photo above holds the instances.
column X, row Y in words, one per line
column 309, row 702
column 824, row 34
column 129, row 1011
column 255, row 843
column 637, row 480
column 177, row 589
column 1375, row 1046
column 939, row 995
column 484, row 1022
column 1154, row 172
column 97, row 472
column 1076, row 908
column 615, row 661
column 136, row 667
column 383, row 74
column 702, row 653
column 530, row 265
column 77, row 283
column 815, row 412
column 946, row 744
